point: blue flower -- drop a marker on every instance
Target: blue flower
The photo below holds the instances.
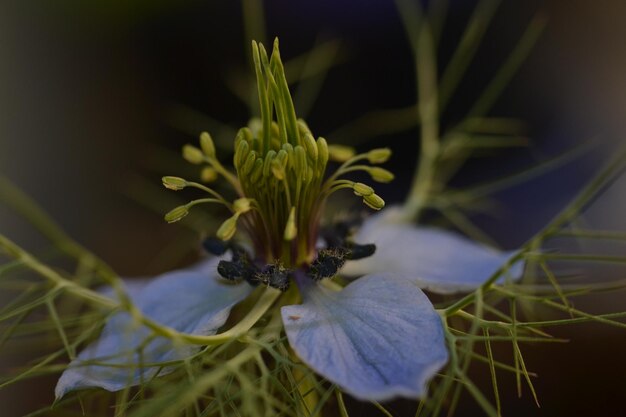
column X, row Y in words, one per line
column 377, row 338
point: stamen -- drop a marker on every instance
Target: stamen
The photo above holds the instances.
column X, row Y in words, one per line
column 374, row 201
column 269, row 158
column 311, row 146
column 280, row 169
column 249, row 164
column 277, row 168
column 241, row 152
column 379, row 156
column 207, row 145
column 242, row 205
column 193, row 155
column 340, row 153
column 179, row 212
column 257, row 171
column 290, row 229
column 177, row 184
column 361, row 189
column 322, row 149
column 245, row 133
column 176, row 214
column 227, row 230
column 208, row 175
column 380, row 174
column 174, row 183
column 300, row 165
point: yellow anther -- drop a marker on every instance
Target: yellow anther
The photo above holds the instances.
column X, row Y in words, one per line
column 207, row 145
column 241, row 152
column 278, row 169
column 176, row 214
column 380, row 174
column 300, row 163
column 256, row 127
column 274, row 130
column 290, row 228
column 340, row 153
column 228, row 228
column 291, row 157
column 303, row 127
column 379, row 156
column 310, row 145
column 256, row 144
column 208, row 174
column 282, row 157
column 249, row 164
column 322, row 150
column 361, row 189
column 257, row 171
column 174, row 183
column 374, row 201
column 245, row 133
column 269, row 157
column 193, row 154
column 242, row 205
column 288, row 147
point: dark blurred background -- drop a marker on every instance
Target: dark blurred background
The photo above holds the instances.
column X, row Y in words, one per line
column 96, row 97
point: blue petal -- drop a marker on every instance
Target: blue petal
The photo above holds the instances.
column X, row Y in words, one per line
column 188, row 301
column 435, row 260
column 134, row 286
column 378, row 338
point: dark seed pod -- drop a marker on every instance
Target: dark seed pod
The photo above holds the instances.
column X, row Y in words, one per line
column 274, row 276
column 239, row 253
column 356, row 251
column 239, row 268
column 337, row 234
column 214, row 246
column 232, row 271
column 280, row 280
column 328, row 262
column 332, row 238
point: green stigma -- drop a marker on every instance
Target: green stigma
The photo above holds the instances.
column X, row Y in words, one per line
column 280, row 174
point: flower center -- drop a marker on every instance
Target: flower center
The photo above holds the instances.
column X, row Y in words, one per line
column 281, row 167
column 280, row 180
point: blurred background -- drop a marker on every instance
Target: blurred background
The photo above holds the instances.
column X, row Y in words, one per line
column 96, row 99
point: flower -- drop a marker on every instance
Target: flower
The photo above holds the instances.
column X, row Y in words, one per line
column 377, row 338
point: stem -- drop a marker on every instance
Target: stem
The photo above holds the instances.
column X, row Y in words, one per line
column 426, row 67
column 264, row 303
column 342, row 167
column 36, row 216
column 212, row 192
column 572, row 210
column 229, row 176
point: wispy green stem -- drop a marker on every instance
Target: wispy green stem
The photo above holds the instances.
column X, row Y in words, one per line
column 606, row 176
